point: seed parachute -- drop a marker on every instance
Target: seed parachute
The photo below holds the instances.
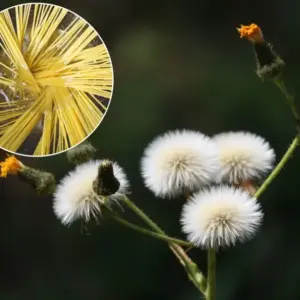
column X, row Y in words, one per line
column 56, row 78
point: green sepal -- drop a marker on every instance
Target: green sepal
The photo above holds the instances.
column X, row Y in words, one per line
column 269, row 64
column 43, row 182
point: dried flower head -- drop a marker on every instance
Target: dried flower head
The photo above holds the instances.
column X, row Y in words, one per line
column 220, row 217
column 179, row 162
column 56, row 78
column 10, row 165
column 75, row 197
column 243, row 156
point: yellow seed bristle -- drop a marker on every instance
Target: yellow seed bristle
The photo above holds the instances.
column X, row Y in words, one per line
column 54, row 74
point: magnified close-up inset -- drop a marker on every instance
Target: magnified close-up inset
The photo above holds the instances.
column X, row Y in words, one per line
column 56, row 79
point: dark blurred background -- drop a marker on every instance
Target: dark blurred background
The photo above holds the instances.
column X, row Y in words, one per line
column 177, row 64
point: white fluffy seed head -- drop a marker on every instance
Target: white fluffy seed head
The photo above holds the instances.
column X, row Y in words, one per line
column 74, row 197
column 243, row 156
column 220, row 216
column 178, row 162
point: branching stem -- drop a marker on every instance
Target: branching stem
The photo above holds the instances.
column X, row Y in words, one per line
column 191, row 268
column 151, row 233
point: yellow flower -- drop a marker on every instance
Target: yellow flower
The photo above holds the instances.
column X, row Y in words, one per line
column 10, row 165
column 252, row 32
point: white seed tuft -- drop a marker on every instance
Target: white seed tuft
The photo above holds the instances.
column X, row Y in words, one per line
column 179, row 162
column 220, row 216
column 75, row 199
column 243, row 156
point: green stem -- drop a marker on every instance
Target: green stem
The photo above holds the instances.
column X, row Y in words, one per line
column 290, row 99
column 279, row 166
column 142, row 215
column 191, row 268
column 211, row 275
column 151, row 233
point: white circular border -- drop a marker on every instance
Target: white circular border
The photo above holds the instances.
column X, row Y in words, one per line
column 111, row 94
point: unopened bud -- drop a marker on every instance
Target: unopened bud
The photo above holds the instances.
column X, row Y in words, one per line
column 269, row 64
column 81, row 153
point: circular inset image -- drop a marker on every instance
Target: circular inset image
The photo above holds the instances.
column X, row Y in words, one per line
column 56, row 79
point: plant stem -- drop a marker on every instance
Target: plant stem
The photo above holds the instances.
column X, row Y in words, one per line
column 279, row 166
column 142, row 215
column 291, row 101
column 151, row 233
column 191, row 268
column 211, row 275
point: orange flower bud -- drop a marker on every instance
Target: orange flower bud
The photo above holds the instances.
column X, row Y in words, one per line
column 252, row 32
column 10, row 166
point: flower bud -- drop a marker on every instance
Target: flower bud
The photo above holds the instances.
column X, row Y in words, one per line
column 269, row 64
column 81, row 153
column 11, row 165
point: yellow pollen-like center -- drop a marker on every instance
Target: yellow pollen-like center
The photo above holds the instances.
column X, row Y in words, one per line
column 233, row 156
column 222, row 219
column 180, row 163
column 175, row 159
column 10, row 166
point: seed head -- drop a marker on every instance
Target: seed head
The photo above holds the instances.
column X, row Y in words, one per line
column 220, row 217
column 179, row 162
column 77, row 197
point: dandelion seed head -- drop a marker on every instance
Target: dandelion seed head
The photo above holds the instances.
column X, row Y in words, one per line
column 220, row 217
column 75, row 198
column 178, row 162
column 243, row 156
